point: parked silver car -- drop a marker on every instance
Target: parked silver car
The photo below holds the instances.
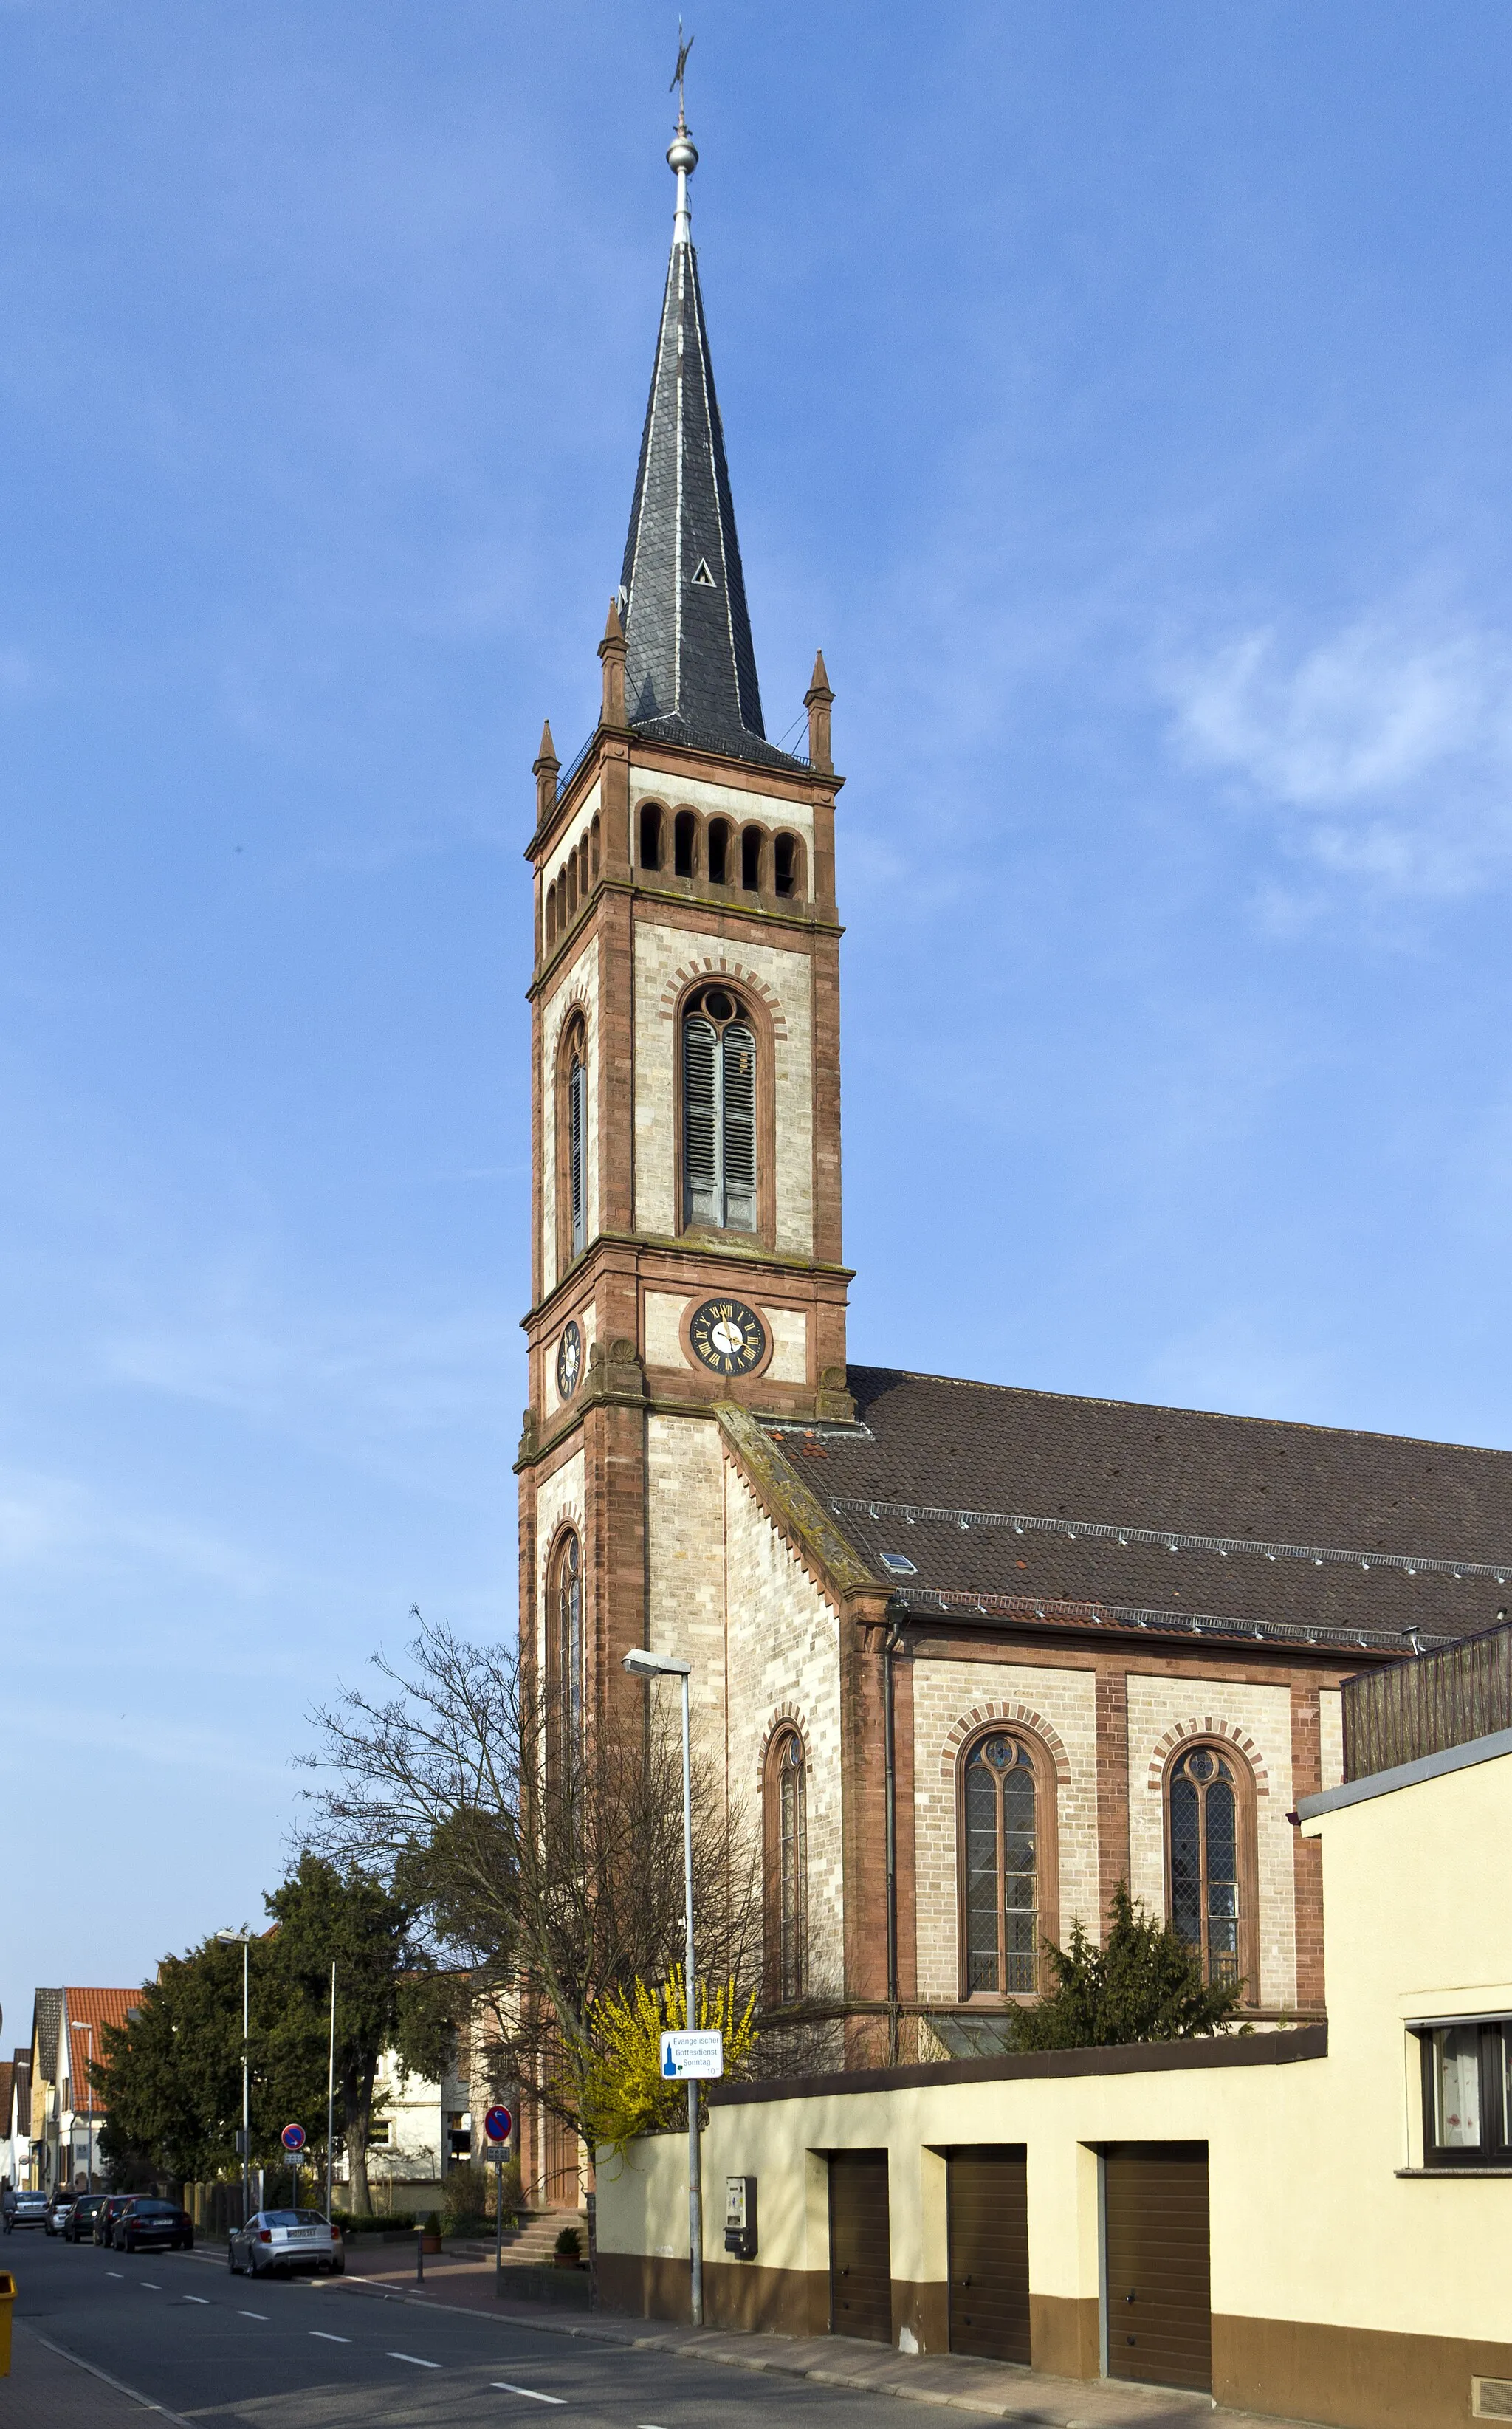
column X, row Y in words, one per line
column 59, row 2211
column 277, row 2241
column 30, row 2211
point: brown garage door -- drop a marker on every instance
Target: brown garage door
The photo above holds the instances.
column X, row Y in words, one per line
column 987, row 2192
column 861, row 2254
column 1160, row 2316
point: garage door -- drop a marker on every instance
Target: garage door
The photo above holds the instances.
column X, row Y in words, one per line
column 860, row 2255
column 1160, row 2316
column 987, row 2191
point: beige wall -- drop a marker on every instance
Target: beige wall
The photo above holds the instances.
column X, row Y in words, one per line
column 1319, row 2247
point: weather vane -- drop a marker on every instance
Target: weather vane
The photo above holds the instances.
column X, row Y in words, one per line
column 682, row 69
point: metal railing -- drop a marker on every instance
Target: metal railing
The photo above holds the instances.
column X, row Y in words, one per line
column 1442, row 1699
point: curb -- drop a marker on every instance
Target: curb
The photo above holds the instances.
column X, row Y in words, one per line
column 94, row 2371
column 851, row 2381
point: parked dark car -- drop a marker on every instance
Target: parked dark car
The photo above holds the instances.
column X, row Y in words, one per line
column 30, row 2211
column 80, row 2227
column 149, row 2225
column 106, row 2215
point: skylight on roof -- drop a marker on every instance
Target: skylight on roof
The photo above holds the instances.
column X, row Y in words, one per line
column 899, row 1564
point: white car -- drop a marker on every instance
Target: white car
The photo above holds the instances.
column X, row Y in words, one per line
column 59, row 2211
column 278, row 2241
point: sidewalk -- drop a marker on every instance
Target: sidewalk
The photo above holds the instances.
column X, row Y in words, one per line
column 997, row 2391
column 45, row 2386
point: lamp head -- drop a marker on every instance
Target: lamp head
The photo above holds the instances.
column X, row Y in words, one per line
column 642, row 1664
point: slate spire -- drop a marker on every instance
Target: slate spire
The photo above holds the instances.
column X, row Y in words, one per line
column 690, row 668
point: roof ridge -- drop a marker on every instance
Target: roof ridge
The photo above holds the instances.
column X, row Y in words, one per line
column 1176, row 1409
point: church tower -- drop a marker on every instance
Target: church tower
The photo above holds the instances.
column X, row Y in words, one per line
column 685, row 1109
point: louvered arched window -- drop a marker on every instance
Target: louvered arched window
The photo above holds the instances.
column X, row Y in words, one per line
column 577, row 1141
column 718, row 1113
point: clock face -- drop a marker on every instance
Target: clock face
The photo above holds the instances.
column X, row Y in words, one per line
column 568, row 1361
column 728, row 1336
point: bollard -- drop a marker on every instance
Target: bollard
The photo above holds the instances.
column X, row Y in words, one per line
column 419, row 2253
column 8, row 2301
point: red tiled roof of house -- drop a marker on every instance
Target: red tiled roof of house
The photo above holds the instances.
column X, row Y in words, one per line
column 96, row 2007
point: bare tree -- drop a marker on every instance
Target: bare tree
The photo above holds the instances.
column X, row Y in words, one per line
column 545, row 1860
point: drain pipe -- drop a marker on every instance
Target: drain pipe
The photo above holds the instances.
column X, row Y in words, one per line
column 890, row 1646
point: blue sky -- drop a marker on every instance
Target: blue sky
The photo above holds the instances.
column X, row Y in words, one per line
column 1119, row 395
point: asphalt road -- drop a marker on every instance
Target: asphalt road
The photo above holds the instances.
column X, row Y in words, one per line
column 183, row 2331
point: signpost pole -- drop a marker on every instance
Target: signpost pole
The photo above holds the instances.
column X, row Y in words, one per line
column 499, row 2126
column 695, row 2155
column 642, row 1663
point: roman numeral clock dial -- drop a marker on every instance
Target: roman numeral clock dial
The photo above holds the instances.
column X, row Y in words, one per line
column 728, row 1336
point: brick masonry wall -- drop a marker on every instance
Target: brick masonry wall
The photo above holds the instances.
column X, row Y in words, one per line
column 728, row 1595
column 576, row 988
column 684, row 1519
column 586, row 1317
column 570, row 837
column 660, row 953
column 784, row 1664
column 1063, row 1704
column 1257, row 1719
column 559, row 1500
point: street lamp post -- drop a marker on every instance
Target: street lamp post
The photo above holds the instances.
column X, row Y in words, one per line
column 330, row 2097
column 243, row 1938
column 642, row 1664
column 89, row 2116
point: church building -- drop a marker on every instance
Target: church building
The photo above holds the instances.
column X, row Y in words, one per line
column 968, row 1655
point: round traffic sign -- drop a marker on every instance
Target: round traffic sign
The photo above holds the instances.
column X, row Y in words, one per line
column 498, row 2125
column 292, row 2137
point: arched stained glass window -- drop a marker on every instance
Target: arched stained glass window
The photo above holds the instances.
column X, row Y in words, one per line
column 1001, row 1820
column 1203, row 1822
column 564, row 1650
column 787, row 1868
column 718, row 1113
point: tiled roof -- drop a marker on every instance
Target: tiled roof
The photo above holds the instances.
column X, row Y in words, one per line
column 47, row 2010
column 1057, row 1510
column 96, row 2007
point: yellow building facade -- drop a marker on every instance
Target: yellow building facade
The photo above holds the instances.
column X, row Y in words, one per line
column 1314, row 2224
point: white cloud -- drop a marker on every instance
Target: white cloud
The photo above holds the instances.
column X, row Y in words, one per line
column 1387, row 747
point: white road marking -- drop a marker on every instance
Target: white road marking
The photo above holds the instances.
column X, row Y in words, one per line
column 416, row 2359
column 534, row 2392
column 117, row 2272
column 198, row 2298
column 326, row 2338
column 254, row 2315
column 148, row 2283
